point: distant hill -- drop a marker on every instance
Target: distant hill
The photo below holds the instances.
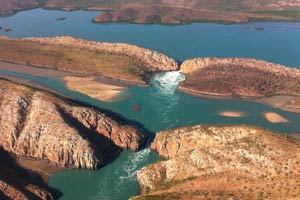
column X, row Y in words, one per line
column 170, row 11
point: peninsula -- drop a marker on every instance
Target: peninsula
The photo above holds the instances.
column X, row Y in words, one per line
column 99, row 70
column 243, row 78
column 44, row 133
column 222, row 162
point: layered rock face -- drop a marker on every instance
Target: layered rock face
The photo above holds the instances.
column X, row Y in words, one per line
column 151, row 59
column 239, row 76
column 40, row 125
column 222, row 162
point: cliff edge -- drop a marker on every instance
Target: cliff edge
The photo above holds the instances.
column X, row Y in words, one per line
column 222, row 162
column 40, row 125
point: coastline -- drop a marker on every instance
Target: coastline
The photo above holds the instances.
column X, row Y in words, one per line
column 251, row 15
column 39, row 71
column 96, row 86
column 281, row 99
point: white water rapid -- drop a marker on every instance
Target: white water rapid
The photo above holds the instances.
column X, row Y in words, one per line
column 167, row 82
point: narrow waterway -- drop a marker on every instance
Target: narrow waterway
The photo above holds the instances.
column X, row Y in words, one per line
column 162, row 107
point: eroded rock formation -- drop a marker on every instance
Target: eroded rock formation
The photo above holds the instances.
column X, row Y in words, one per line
column 222, row 162
column 39, row 125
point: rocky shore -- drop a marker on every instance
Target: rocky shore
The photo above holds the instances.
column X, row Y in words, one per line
column 222, row 162
column 39, row 125
column 243, row 78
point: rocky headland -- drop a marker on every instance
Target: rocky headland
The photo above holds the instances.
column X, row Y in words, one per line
column 222, row 162
column 118, row 61
column 41, row 126
column 243, row 78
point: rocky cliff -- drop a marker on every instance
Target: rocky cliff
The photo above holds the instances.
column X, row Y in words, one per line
column 239, row 77
column 222, row 162
column 39, row 125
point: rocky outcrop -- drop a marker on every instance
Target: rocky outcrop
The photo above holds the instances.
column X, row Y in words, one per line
column 193, row 65
column 151, row 59
column 239, row 77
column 43, row 126
column 222, row 162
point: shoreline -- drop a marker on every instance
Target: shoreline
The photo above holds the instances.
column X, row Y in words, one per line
column 39, row 71
column 263, row 100
column 99, row 87
column 54, row 73
column 276, row 18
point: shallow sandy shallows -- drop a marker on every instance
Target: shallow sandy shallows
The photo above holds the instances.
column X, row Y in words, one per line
column 89, row 86
column 232, row 114
column 275, row 118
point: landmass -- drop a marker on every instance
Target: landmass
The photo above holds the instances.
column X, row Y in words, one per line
column 43, row 132
column 170, row 11
column 99, row 70
column 274, row 84
column 118, row 61
column 104, row 70
column 222, row 162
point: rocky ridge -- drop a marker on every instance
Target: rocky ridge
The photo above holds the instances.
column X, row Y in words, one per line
column 152, row 60
column 222, row 162
column 39, row 125
column 192, row 65
column 239, row 77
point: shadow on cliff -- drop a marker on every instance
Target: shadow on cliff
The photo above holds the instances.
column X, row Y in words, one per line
column 103, row 146
column 113, row 115
column 18, row 177
column 106, row 149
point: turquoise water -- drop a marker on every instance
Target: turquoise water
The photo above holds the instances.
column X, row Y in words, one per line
column 279, row 42
column 162, row 106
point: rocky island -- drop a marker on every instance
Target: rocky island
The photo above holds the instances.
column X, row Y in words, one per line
column 43, row 127
column 222, row 162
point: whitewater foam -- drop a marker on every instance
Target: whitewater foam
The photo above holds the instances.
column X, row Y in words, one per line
column 167, row 82
column 132, row 165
